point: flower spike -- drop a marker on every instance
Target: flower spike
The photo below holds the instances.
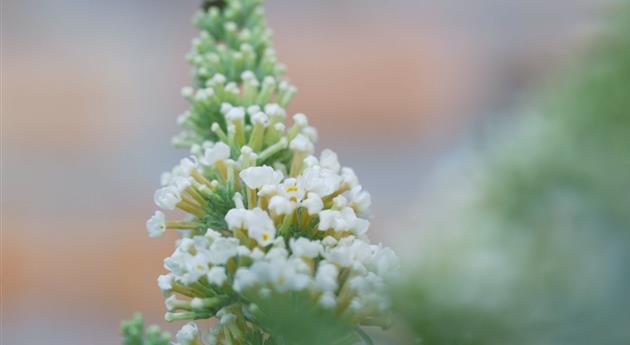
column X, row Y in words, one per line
column 264, row 217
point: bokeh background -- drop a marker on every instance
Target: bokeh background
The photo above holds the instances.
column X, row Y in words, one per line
column 91, row 92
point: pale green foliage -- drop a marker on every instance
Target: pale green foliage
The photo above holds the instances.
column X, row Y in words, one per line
column 133, row 333
column 542, row 256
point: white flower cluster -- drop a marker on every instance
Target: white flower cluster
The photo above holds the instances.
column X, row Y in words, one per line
column 206, row 264
column 265, row 217
column 300, row 226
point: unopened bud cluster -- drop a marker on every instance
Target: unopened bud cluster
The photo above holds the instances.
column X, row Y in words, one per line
column 264, row 215
column 233, row 62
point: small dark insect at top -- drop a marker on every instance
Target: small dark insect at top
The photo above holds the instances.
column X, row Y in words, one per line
column 206, row 4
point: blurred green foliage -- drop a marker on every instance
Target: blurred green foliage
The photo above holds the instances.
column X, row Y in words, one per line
column 543, row 254
column 133, row 333
column 293, row 320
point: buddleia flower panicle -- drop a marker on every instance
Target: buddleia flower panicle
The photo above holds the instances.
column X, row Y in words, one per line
column 264, row 215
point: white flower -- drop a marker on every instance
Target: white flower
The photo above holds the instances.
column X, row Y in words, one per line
column 313, row 203
column 236, row 218
column 301, row 144
column 262, row 271
column 218, row 78
column 203, row 94
column 260, row 227
column 356, row 305
column 222, row 249
column 257, row 223
column 328, row 160
column 339, row 202
column 292, row 190
column 187, row 334
column 196, row 267
column 238, row 200
column 327, row 219
column 349, row 178
column 225, row 107
column 385, row 262
column 225, row 316
column 188, row 92
column 217, row 275
column 248, row 75
column 340, row 255
column 156, row 225
column 277, row 253
column 275, row 111
column 185, row 167
column 344, row 220
column 196, row 149
column 244, row 279
column 247, row 157
column 360, row 200
column 212, row 235
column 360, row 284
column 310, row 161
column 268, row 190
column 257, row 177
column 185, row 245
column 284, row 277
column 243, row 251
column 301, row 266
column 176, row 263
column 279, row 242
column 257, row 254
column 300, row 120
column 326, row 277
column 280, row 127
column 201, row 243
column 235, row 114
column 170, row 302
column 321, row 181
column 167, row 198
column 180, row 183
column 327, row 300
column 246, row 150
column 165, row 178
column 360, row 226
column 329, row 241
column 263, row 235
column 303, row 247
column 310, row 133
column 253, row 109
column 260, row 118
column 220, row 151
column 197, row 303
column 280, row 205
column 165, row 282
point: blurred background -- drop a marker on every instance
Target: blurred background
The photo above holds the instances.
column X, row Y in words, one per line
column 401, row 89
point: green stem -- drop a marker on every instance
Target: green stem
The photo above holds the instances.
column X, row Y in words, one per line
column 364, row 336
